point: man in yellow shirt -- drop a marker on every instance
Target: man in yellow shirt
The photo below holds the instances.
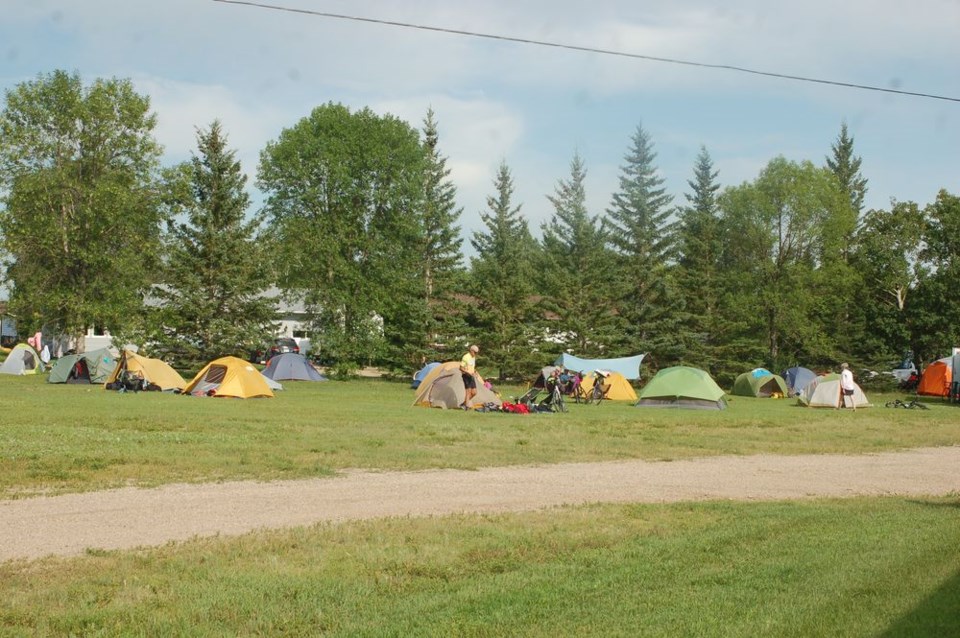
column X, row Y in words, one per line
column 468, row 369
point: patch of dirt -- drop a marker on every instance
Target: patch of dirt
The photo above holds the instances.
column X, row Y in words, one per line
column 127, row 518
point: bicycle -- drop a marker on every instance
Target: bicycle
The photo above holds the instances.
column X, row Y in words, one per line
column 909, row 405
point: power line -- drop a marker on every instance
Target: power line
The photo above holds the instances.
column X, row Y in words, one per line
column 573, row 47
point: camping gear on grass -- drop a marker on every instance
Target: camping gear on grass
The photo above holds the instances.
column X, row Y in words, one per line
column 22, row 360
column 135, row 372
column 443, row 388
column 291, row 366
column 90, row 367
column 229, row 377
column 682, row 387
column 825, row 392
column 797, row 379
column 759, row 382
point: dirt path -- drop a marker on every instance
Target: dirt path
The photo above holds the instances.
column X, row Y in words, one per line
column 127, row 518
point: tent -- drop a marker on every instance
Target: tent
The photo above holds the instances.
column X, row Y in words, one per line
column 443, row 388
column 22, row 360
column 421, row 374
column 273, row 385
column 759, row 383
column 797, row 379
column 156, row 374
column 229, row 377
column 936, row 379
column 90, row 367
column 293, row 367
column 620, row 388
column 682, row 387
column 629, row 367
column 824, row 392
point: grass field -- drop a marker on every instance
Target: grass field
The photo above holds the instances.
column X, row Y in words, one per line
column 855, row 567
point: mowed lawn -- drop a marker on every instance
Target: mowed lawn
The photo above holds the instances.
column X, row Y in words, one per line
column 849, row 567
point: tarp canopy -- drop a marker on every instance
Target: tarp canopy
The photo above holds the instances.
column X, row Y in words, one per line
column 824, row 392
column 629, row 367
column 759, row 383
column 618, row 388
column 155, row 372
column 797, row 379
column 682, row 387
column 22, row 360
column 229, row 377
column 443, row 388
column 291, row 366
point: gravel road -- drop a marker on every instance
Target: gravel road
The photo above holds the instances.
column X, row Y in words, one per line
column 127, row 518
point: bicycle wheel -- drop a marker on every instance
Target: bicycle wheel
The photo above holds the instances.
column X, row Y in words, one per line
column 893, row 404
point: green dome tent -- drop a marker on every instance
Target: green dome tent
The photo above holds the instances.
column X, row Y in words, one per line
column 90, row 367
column 682, row 387
column 759, row 383
column 22, row 360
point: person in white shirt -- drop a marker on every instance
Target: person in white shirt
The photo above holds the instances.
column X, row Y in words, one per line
column 847, row 386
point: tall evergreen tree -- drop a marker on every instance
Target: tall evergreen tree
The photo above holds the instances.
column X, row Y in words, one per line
column 846, row 166
column 700, row 246
column 81, row 218
column 575, row 270
column 440, row 252
column 503, row 276
column 641, row 235
column 216, row 273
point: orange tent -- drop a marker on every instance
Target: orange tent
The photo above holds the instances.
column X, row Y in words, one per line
column 936, row 379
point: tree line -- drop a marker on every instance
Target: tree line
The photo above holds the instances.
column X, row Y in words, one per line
column 360, row 224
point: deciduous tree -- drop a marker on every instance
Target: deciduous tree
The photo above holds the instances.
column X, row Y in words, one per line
column 81, row 216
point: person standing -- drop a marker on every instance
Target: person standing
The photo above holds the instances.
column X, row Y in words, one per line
column 847, row 386
column 468, row 370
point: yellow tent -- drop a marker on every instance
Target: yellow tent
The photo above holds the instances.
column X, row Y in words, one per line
column 443, row 388
column 229, row 377
column 620, row 388
column 153, row 371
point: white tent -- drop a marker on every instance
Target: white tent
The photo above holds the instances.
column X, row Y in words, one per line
column 824, row 392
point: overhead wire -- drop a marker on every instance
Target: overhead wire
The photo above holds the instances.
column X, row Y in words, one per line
column 574, row 47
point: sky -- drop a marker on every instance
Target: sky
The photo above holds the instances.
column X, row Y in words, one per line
column 533, row 107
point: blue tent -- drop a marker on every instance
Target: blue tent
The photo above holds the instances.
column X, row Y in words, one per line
column 797, row 379
column 629, row 367
column 422, row 373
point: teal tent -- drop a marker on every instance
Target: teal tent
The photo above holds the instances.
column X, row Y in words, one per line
column 759, row 383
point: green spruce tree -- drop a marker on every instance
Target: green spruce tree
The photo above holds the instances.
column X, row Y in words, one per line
column 441, row 250
column 846, row 166
column 700, row 247
column 212, row 295
column 502, row 283
column 576, row 269
column 641, row 235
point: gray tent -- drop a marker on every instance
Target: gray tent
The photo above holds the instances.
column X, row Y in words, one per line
column 22, row 360
column 90, row 367
column 291, row 367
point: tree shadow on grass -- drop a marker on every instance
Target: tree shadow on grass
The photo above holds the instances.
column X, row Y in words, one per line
column 938, row 615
